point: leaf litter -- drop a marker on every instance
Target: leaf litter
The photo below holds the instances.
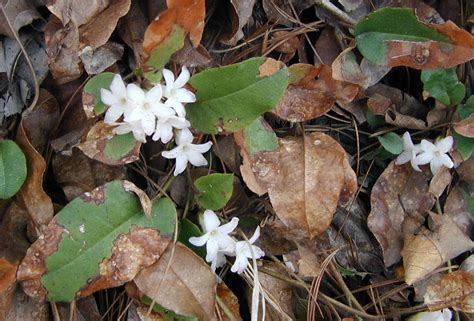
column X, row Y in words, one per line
column 305, row 104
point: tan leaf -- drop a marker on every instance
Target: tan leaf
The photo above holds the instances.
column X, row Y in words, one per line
column 305, row 99
column 230, row 300
column 457, row 208
column 241, row 13
column 440, row 181
column 399, row 191
column 453, row 290
column 142, row 196
column 186, row 285
column 424, row 252
column 16, row 306
column 466, row 126
column 20, row 13
column 310, row 171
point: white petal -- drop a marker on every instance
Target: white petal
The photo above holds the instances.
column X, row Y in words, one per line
column 423, row 158
column 178, row 123
column 174, row 153
column 201, row 148
column 161, row 110
column 435, row 165
column 123, row 128
column 169, row 79
column 229, row 227
column 446, row 161
column 212, row 248
column 184, row 137
column 139, row 135
column 210, row 221
column 154, row 95
column 447, row 315
column 135, row 93
column 108, row 98
column 183, row 78
column 184, row 96
column 407, row 142
column 255, row 235
column 149, row 124
column 404, row 157
column 177, row 106
column 414, row 165
column 112, row 114
column 196, row 159
column 163, row 131
column 428, row 146
column 445, row 144
column 199, row 241
column 240, row 264
column 117, row 86
column 181, row 163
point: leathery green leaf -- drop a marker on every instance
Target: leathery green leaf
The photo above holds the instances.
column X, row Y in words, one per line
column 12, row 168
column 93, row 105
column 230, row 98
column 92, row 224
column 215, row 190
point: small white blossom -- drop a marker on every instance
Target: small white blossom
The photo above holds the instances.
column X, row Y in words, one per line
column 435, row 154
column 175, row 93
column 409, row 152
column 134, row 127
column 117, row 100
column 147, row 107
column 216, row 238
column 165, row 125
column 243, row 252
column 444, row 315
column 187, row 152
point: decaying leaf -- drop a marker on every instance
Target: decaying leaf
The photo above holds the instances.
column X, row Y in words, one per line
column 452, row 290
column 230, row 300
column 101, row 144
column 240, row 14
column 466, row 127
column 395, row 37
column 20, row 13
column 399, row 192
column 99, row 240
column 16, row 305
column 307, row 98
column 346, row 68
column 186, row 285
column 424, row 252
column 440, row 181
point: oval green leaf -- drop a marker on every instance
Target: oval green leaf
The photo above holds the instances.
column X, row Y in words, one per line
column 215, row 190
column 92, row 104
column 443, row 85
column 392, row 143
column 12, row 168
column 230, row 98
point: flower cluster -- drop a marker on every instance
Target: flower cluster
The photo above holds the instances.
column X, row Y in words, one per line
column 159, row 112
column 426, row 153
column 219, row 243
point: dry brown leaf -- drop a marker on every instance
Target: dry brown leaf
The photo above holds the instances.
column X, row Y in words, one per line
column 81, row 12
column 131, row 29
column 240, row 15
column 440, row 181
column 192, row 56
column 230, row 300
column 288, row 43
column 399, row 192
column 310, row 170
column 275, row 14
column 20, row 13
column 98, row 60
column 189, row 14
column 17, row 306
column 186, row 285
column 433, row 54
column 31, row 195
column 457, row 208
column 453, row 290
column 327, row 47
column 308, row 98
column 466, row 126
column 346, row 68
column 142, row 196
column 424, row 252
column 94, row 145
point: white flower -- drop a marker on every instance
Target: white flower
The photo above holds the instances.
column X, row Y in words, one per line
column 444, row 315
column 135, row 127
column 243, row 252
column 216, row 238
column 185, row 151
column 117, row 99
column 175, row 93
column 165, row 125
column 435, row 154
column 409, row 152
column 148, row 106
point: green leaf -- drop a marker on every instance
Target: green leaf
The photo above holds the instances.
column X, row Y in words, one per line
column 259, row 137
column 162, row 53
column 215, row 190
column 188, row 229
column 12, row 168
column 392, row 143
column 230, row 98
column 92, row 223
column 467, row 109
column 464, row 145
column 443, row 85
column 374, row 32
column 120, row 146
column 93, row 105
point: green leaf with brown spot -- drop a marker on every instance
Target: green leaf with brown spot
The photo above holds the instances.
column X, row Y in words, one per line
column 214, row 190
